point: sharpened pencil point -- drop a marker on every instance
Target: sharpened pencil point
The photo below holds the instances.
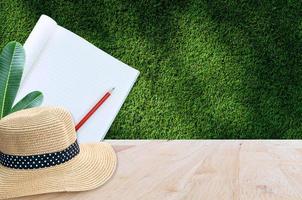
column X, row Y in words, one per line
column 112, row 89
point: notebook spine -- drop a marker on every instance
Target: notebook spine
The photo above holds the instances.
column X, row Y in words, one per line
column 37, row 41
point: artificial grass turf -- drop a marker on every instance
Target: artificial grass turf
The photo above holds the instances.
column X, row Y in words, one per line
column 209, row 69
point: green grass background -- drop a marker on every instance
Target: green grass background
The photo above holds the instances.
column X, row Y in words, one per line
column 209, row 69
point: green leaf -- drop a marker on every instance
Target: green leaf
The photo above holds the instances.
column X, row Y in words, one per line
column 11, row 68
column 33, row 99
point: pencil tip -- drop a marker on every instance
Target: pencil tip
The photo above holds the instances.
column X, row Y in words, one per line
column 112, row 89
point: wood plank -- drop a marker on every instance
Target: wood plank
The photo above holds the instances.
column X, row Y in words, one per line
column 201, row 169
column 260, row 174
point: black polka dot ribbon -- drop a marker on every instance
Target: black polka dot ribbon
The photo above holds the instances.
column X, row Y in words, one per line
column 41, row 160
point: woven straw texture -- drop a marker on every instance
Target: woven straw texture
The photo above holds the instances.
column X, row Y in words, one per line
column 46, row 130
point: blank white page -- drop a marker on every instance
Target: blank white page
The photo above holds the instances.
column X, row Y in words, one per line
column 74, row 74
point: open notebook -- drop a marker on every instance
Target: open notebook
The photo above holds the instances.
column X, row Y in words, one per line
column 75, row 74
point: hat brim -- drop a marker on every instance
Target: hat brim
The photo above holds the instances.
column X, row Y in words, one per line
column 94, row 165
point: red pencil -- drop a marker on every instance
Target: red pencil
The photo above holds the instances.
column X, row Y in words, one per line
column 88, row 115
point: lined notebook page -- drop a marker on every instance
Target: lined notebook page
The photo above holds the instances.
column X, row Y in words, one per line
column 74, row 74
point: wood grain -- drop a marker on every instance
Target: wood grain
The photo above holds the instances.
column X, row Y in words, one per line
column 201, row 169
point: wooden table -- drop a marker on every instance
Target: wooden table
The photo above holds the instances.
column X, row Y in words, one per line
column 201, row 170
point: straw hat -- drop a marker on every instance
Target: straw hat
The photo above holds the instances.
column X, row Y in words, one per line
column 39, row 154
